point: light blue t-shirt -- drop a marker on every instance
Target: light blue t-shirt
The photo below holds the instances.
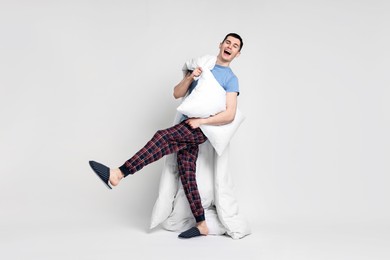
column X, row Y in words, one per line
column 225, row 77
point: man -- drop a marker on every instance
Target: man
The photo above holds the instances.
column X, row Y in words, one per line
column 185, row 137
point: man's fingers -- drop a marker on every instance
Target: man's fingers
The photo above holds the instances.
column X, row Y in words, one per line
column 188, row 122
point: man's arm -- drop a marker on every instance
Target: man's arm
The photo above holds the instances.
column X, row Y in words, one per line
column 222, row 118
column 182, row 87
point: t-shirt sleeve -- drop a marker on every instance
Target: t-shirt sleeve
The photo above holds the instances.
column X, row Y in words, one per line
column 192, row 86
column 232, row 85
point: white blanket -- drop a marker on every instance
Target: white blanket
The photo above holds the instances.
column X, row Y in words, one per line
column 216, row 189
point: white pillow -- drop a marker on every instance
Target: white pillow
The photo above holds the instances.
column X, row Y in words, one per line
column 206, row 99
column 220, row 136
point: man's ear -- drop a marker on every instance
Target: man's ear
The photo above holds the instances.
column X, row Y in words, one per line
column 238, row 54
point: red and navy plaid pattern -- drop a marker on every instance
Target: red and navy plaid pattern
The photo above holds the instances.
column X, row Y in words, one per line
column 184, row 140
column 186, row 161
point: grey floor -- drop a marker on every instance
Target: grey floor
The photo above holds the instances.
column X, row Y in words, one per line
column 110, row 240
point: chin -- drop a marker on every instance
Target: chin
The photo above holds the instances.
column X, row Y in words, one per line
column 227, row 59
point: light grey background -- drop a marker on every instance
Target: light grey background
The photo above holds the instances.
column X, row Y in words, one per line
column 84, row 80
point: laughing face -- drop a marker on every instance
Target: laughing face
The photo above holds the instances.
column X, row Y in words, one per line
column 228, row 50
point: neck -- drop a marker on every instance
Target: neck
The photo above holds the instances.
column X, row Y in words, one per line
column 221, row 62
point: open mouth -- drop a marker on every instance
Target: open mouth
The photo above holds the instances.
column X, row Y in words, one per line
column 227, row 52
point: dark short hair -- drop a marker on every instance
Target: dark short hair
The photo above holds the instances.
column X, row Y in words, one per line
column 235, row 35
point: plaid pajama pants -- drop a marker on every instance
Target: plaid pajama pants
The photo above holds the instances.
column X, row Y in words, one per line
column 183, row 140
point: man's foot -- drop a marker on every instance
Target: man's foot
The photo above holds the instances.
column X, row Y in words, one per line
column 116, row 176
column 107, row 175
column 201, row 229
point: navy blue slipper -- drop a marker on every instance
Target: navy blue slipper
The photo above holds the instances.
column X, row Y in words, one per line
column 102, row 171
column 190, row 233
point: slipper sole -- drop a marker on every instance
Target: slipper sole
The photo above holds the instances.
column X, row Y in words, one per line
column 102, row 171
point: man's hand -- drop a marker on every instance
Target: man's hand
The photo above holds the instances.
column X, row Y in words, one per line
column 194, row 122
column 196, row 72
